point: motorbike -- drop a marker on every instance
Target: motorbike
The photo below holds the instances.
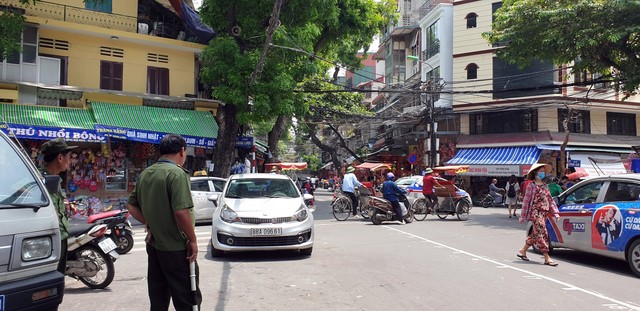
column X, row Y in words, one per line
column 381, row 210
column 118, row 228
column 489, row 200
column 90, row 255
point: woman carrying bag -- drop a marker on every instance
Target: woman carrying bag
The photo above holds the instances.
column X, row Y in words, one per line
column 536, row 206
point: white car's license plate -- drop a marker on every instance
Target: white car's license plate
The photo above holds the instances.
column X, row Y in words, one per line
column 107, row 245
column 266, row 231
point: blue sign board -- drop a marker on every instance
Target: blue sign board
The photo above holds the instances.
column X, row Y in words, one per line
column 149, row 136
column 245, row 142
column 42, row 132
column 573, row 163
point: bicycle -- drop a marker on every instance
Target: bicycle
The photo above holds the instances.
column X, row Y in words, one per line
column 341, row 205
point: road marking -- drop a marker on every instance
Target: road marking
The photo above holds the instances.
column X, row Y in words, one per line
column 530, row 274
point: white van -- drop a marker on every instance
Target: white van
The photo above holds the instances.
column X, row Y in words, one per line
column 29, row 235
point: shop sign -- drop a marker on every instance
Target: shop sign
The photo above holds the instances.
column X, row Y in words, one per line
column 149, row 136
column 42, row 132
column 492, row 170
column 245, row 142
column 573, row 163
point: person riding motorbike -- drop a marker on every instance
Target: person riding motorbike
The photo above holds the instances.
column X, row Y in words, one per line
column 496, row 192
column 390, row 193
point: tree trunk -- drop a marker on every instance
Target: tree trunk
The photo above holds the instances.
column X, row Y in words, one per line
column 563, row 147
column 343, row 144
column 223, row 154
column 281, row 125
column 326, row 148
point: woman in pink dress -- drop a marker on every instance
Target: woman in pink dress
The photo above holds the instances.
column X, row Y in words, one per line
column 536, row 206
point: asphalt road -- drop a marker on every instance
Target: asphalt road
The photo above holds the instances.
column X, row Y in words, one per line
column 430, row 265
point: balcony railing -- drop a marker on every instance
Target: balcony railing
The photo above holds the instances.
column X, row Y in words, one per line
column 429, row 5
column 77, row 15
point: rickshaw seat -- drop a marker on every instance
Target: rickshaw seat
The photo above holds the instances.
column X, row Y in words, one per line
column 448, row 191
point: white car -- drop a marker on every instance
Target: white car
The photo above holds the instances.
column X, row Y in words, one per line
column 261, row 212
column 201, row 189
column 404, row 182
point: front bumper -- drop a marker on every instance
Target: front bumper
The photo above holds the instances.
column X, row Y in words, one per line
column 237, row 236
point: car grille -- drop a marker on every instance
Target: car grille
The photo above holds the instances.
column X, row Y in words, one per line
column 264, row 241
column 279, row 220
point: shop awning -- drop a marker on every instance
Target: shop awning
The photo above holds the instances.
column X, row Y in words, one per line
column 373, row 166
column 150, row 124
column 287, row 165
column 496, row 156
column 597, row 164
column 452, row 169
column 48, row 122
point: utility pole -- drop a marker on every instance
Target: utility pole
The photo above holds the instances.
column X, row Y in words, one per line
column 427, row 99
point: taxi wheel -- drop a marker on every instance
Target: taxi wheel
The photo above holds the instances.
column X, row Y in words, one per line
column 633, row 257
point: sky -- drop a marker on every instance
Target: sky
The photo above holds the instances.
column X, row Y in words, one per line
column 197, row 3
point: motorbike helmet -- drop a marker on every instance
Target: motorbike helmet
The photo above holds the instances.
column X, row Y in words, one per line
column 390, row 176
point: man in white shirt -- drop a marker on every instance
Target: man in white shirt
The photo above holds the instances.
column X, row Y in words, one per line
column 349, row 184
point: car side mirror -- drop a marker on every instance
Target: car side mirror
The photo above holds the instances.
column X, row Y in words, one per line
column 214, row 198
column 52, row 183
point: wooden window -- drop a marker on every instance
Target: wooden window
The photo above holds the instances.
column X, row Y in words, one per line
column 110, row 75
column 621, row 123
column 580, row 123
column 157, row 80
column 472, row 71
column 493, row 122
column 471, row 20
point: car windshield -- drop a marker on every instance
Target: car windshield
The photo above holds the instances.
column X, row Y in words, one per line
column 18, row 187
column 406, row 180
column 259, row 188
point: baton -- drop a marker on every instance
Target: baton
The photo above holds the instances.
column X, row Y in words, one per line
column 194, row 290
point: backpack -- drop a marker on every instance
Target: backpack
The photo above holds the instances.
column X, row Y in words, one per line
column 512, row 190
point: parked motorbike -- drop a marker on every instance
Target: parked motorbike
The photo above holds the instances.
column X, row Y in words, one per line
column 489, row 201
column 90, row 255
column 381, row 210
column 118, row 228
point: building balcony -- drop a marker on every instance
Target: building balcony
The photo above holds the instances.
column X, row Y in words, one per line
column 76, row 15
column 429, row 5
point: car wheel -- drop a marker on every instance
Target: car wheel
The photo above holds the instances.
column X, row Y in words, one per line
column 633, row 257
column 216, row 252
column 306, row 251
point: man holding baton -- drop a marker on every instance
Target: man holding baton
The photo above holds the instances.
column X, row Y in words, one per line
column 162, row 201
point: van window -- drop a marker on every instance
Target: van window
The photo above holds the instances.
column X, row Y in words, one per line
column 17, row 186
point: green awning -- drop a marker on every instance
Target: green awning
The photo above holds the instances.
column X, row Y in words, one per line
column 49, row 116
column 47, row 122
column 149, row 124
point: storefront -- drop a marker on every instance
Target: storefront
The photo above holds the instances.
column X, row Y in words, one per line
column 115, row 143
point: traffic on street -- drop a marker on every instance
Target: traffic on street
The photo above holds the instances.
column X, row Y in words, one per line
column 429, row 265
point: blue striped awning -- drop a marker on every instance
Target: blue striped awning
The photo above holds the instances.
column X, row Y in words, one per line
column 496, row 156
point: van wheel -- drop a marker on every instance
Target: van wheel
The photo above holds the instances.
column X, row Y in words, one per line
column 633, row 257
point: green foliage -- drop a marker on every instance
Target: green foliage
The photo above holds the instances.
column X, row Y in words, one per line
column 596, row 34
column 334, row 29
column 313, row 161
column 11, row 24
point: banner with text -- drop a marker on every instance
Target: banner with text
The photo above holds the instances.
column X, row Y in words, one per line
column 149, row 136
column 43, row 132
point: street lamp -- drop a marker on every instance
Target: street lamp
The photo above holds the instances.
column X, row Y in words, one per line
column 432, row 131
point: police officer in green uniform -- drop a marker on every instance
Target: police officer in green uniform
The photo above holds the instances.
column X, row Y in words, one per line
column 57, row 157
column 162, row 201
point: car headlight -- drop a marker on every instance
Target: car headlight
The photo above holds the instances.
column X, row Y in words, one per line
column 36, row 248
column 301, row 214
column 228, row 215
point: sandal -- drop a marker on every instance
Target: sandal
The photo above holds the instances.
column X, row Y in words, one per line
column 523, row 257
column 551, row 263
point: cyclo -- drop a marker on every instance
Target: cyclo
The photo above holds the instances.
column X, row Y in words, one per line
column 451, row 199
column 341, row 204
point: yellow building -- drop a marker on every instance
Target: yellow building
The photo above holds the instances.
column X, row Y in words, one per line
column 518, row 122
column 112, row 79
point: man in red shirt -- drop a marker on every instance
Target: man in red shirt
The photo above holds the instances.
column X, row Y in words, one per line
column 428, row 182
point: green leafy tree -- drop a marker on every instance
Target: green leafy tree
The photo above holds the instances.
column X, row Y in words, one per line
column 11, row 24
column 598, row 35
column 264, row 49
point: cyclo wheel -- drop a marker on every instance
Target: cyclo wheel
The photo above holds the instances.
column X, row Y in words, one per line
column 462, row 210
column 341, row 208
column 364, row 211
column 419, row 208
column 441, row 216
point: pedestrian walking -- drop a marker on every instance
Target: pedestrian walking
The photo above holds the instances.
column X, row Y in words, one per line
column 162, row 201
column 512, row 188
column 57, row 157
column 536, row 205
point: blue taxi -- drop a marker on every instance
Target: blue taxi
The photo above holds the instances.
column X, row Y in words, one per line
column 600, row 215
